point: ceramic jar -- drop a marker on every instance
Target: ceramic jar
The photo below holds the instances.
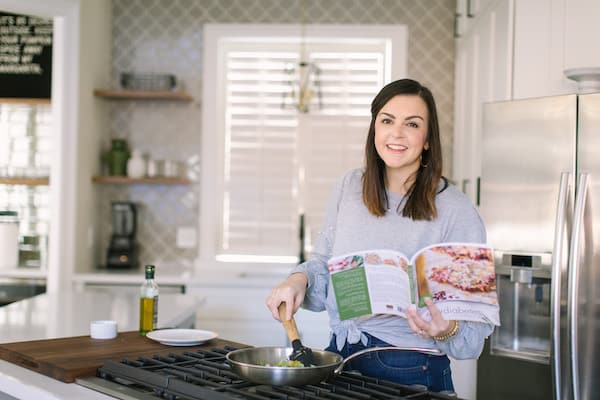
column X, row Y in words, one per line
column 9, row 239
column 136, row 165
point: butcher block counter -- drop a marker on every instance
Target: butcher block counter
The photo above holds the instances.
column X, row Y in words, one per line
column 67, row 315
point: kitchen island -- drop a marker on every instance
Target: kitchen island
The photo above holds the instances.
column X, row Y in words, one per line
column 49, row 316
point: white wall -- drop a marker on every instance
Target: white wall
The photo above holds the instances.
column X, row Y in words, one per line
column 95, row 72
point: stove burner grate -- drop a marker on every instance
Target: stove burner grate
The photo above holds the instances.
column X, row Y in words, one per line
column 205, row 374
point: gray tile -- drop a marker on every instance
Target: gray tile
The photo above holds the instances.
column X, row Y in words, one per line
column 166, row 35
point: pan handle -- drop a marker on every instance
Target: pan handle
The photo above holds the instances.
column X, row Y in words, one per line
column 340, row 367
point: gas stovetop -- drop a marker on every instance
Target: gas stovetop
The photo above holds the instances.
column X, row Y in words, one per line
column 206, row 375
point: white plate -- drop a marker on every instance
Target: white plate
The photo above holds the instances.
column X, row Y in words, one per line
column 181, row 337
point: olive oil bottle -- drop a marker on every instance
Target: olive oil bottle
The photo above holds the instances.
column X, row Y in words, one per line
column 148, row 302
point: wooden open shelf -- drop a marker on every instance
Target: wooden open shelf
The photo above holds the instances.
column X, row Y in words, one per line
column 126, row 180
column 15, row 100
column 25, row 181
column 142, row 94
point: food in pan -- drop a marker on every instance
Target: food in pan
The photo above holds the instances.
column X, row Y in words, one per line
column 285, row 363
column 290, row 364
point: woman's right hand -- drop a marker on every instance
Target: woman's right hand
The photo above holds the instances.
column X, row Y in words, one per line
column 291, row 291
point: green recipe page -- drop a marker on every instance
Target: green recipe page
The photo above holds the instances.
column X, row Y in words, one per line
column 353, row 284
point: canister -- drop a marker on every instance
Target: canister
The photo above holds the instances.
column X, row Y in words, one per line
column 9, row 239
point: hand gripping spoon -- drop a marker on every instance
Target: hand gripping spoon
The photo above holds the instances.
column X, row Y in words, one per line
column 299, row 353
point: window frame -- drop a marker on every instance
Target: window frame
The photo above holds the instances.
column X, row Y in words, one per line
column 213, row 128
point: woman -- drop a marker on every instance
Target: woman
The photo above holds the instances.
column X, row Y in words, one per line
column 398, row 201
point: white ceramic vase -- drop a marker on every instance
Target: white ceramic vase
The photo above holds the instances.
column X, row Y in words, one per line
column 136, row 165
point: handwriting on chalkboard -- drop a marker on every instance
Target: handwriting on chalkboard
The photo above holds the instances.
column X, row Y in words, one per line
column 25, row 56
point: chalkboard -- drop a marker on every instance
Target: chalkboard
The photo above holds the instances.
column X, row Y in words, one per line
column 25, row 56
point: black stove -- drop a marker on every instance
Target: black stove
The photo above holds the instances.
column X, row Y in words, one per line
column 205, row 374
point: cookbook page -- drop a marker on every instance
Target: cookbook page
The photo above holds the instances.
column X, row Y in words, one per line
column 462, row 274
column 370, row 282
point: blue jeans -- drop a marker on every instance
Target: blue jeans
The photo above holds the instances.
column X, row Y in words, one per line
column 405, row 367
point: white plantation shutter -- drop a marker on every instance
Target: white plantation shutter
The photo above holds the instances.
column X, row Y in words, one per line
column 332, row 140
column 260, row 188
column 278, row 162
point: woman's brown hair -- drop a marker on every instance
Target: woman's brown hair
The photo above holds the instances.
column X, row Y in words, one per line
column 419, row 202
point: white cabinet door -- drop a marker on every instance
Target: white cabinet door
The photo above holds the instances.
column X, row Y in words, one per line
column 463, row 104
column 582, row 29
column 540, row 51
column 483, row 74
column 239, row 314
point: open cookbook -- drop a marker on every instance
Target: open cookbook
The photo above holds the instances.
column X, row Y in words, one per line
column 459, row 277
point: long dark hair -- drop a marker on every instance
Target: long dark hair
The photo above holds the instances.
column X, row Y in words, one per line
column 419, row 203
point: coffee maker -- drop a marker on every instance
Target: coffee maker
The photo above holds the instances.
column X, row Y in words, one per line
column 123, row 249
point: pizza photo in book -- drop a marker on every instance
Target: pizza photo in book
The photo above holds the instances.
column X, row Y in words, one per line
column 459, row 277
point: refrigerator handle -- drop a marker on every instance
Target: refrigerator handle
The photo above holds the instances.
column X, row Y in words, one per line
column 557, row 267
column 573, row 288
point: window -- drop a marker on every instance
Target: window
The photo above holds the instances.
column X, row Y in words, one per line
column 265, row 163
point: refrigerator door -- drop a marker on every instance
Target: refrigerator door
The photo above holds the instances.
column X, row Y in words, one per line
column 528, row 149
column 527, row 144
column 527, row 186
column 585, row 310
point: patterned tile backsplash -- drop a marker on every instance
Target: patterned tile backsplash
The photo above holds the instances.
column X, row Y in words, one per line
column 165, row 36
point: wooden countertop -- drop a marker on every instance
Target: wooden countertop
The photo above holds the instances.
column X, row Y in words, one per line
column 69, row 358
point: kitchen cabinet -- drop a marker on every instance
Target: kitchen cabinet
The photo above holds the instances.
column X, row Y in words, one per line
column 514, row 50
column 483, row 72
column 542, row 50
column 581, row 34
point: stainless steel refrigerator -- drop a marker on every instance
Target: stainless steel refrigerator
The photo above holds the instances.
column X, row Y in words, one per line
column 540, row 200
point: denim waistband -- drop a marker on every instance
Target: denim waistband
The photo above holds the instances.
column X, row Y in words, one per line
column 372, row 341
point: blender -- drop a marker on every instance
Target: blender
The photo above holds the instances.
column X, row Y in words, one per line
column 123, row 249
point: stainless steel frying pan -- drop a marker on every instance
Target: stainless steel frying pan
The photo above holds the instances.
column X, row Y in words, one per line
column 256, row 364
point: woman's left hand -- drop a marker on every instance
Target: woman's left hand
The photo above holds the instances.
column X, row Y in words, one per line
column 436, row 327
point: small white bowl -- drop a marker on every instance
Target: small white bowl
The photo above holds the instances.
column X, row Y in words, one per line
column 105, row 329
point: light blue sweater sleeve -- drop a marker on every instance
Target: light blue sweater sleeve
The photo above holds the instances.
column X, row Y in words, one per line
column 348, row 226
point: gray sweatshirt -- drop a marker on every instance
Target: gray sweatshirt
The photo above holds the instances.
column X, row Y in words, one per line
column 348, row 226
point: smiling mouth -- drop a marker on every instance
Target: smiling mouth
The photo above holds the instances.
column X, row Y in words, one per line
column 396, row 147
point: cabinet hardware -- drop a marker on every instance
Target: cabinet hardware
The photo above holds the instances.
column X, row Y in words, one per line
column 464, row 185
column 456, row 17
column 469, row 12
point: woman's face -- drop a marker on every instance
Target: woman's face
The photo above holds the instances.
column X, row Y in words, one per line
column 401, row 134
